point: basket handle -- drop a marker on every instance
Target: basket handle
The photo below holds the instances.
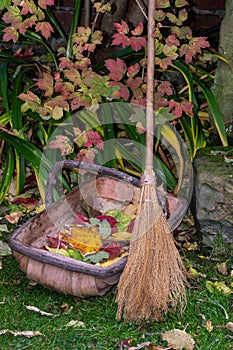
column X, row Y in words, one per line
column 71, row 164
column 173, row 221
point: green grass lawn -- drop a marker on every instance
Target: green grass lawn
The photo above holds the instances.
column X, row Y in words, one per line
column 96, row 327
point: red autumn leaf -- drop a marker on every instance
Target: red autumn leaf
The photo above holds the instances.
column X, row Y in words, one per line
column 123, row 91
column 44, row 3
column 29, row 97
column 122, row 28
column 45, row 28
column 134, row 83
column 114, row 249
column 131, row 225
column 80, row 219
column 138, row 29
column 46, row 83
column 133, row 70
column 28, row 23
column 112, row 221
column 10, row 33
column 13, row 16
column 55, row 242
column 117, row 68
column 58, row 101
column 65, row 63
column 172, row 40
column 28, row 200
column 165, row 88
column 120, row 39
column 94, row 139
column 137, row 43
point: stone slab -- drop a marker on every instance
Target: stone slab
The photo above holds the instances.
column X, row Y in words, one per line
column 213, row 193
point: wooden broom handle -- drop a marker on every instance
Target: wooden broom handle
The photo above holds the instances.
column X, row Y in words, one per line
column 150, row 86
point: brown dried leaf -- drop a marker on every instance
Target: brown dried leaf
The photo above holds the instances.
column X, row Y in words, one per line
column 27, row 334
column 35, row 309
column 222, row 268
column 178, row 339
column 229, row 326
column 209, row 326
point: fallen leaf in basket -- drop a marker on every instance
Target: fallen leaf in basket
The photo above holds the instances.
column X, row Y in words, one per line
column 43, row 313
column 27, row 334
column 121, row 236
column 55, row 242
column 60, row 251
column 110, row 219
column 178, row 339
column 114, row 249
column 112, row 261
column 96, row 257
column 80, row 219
column 84, row 239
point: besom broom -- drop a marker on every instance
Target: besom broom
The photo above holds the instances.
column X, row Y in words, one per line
column 154, row 277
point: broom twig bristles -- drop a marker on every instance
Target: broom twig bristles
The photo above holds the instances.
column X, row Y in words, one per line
column 154, row 277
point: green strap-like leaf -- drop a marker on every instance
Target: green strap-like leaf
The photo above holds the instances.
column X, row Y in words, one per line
column 215, row 110
column 7, row 174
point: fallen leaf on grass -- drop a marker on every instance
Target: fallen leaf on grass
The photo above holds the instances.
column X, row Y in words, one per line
column 209, row 326
column 178, row 339
column 229, row 326
column 3, row 228
column 218, row 287
column 222, row 268
column 4, row 249
column 191, row 246
column 14, row 216
column 76, row 323
column 27, row 334
column 146, row 346
column 43, row 313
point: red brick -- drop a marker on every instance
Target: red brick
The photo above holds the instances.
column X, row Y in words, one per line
column 66, row 3
column 205, row 22
column 210, row 4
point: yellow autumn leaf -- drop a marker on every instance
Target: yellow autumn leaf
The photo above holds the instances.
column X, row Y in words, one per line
column 84, row 239
column 121, row 236
column 209, row 326
column 112, row 261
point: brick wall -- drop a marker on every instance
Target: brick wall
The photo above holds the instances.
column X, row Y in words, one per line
column 207, row 13
column 204, row 14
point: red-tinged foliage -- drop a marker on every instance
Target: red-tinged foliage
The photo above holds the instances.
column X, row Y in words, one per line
column 138, row 29
column 27, row 202
column 80, row 219
column 94, row 139
column 133, row 70
column 117, row 68
column 44, row 3
column 10, row 33
column 122, row 28
column 178, row 108
column 137, row 43
column 56, row 243
column 45, row 28
column 131, row 225
column 112, row 221
column 114, row 249
column 46, row 83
